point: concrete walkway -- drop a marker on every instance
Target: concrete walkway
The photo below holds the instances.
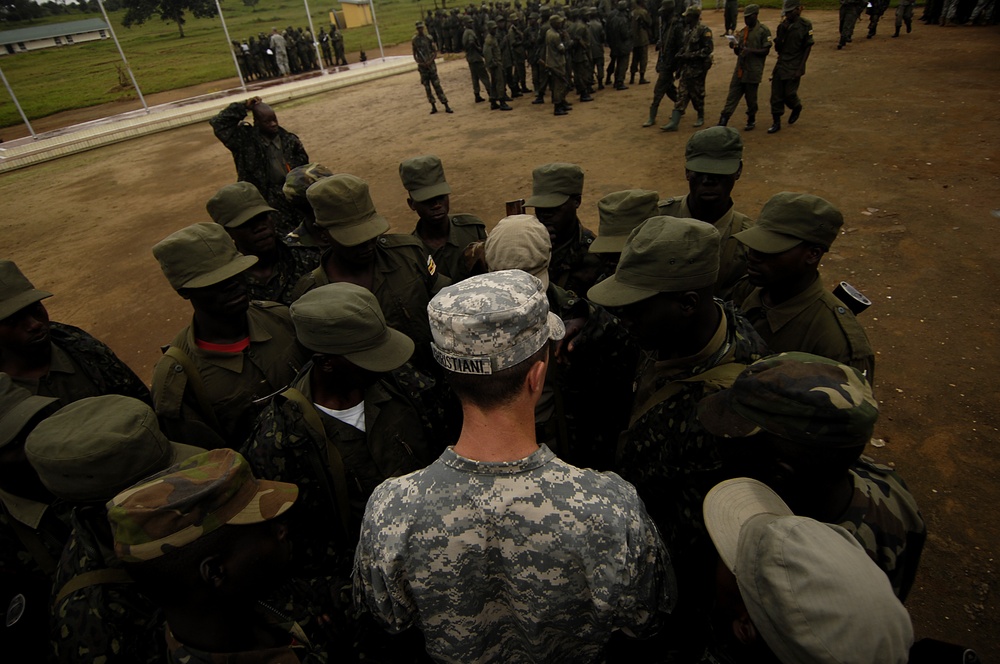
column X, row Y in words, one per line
column 89, row 135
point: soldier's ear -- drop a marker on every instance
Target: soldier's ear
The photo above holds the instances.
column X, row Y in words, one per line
column 212, row 570
column 409, row 201
column 744, row 629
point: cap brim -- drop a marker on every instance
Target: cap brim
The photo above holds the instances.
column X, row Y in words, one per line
column 359, row 233
column 767, row 242
column 716, row 414
column 713, row 166
column 392, row 354
column 731, row 504
column 557, row 329
column 546, row 200
column 271, row 501
column 248, row 214
column 20, row 301
column 613, row 293
column 179, row 452
column 15, row 419
column 608, row 244
column 218, row 275
column 433, row 191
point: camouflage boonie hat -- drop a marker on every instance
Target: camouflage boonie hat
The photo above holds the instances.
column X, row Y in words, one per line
column 190, row 500
column 236, row 204
column 301, row 178
column 17, row 407
column 664, row 255
column 520, row 242
column 553, row 184
column 423, row 177
column 798, row 397
column 620, row 213
column 345, row 209
column 200, row 255
column 16, row 292
column 346, row 319
column 717, row 150
column 491, row 322
column 750, row 10
column 787, row 220
column 95, row 447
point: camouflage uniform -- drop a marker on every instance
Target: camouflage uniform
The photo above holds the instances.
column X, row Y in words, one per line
column 424, row 53
column 694, row 59
column 293, row 262
column 573, row 267
column 529, row 560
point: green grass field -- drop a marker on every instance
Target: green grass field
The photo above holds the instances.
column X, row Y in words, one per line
column 69, row 77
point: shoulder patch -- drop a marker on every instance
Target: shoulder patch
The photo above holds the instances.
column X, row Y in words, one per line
column 431, row 266
column 708, row 32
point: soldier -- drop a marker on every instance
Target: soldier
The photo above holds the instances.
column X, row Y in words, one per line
column 307, row 235
column 875, row 11
column 263, row 153
column 518, row 53
column 84, row 454
column 904, row 14
column 246, row 216
column 751, row 47
column 730, row 12
column 850, row 14
column 597, row 42
column 280, row 48
column 54, row 359
column 641, row 26
column 583, row 65
column 241, row 60
column 694, row 59
column 506, row 59
column 793, row 42
column 493, row 57
column 477, row 65
column 445, row 236
column 783, row 294
column 337, row 40
column 555, row 65
column 425, row 53
column 671, row 36
column 324, row 44
column 536, row 53
column 445, row 563
column 620, row 43
column 620, row 213
column 234, row 352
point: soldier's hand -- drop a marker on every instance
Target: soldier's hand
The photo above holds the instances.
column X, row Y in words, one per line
column 252, row 101
column 567, row 344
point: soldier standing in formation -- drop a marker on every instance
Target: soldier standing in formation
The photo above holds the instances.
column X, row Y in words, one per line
column 425, row 53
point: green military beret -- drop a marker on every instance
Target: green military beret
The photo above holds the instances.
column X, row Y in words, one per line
column 345, row 209
column 553, row 184
column 751, row 10
column 236, row 204
column 18, row 407
column 664, row 255
column 789, row 219
column 799, row 397
column 200, row 255
column 300, row 178
column 16, row 292
column 423, row 177
column 620, row 213
column 716, row 150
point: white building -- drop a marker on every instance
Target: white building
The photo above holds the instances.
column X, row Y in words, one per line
column 23, row 40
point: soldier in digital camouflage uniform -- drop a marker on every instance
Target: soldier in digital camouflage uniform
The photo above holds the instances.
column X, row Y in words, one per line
column 424, row 52
column 694, row 59
column 479, row 564
column 307, row 235
column 751, row 46
column 263, row 152
column 236, row 351
column 84, row 454
column 810, row 419
column 246, row 216
column 204, row 540
column 54, row 359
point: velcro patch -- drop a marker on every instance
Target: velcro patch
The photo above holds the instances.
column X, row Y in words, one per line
column 476, row 366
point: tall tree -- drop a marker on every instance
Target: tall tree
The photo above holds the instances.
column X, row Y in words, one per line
column 138, row 12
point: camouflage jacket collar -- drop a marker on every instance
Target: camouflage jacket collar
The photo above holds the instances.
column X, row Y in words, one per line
column 536, row 459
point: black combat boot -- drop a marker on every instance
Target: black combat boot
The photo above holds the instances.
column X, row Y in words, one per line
column 447, row 108
column 751, row 122
column 776, row 127
column 479, row 99
column 434, row 109
column 560, row 110
column 494, row 105
column 896, row 34
column 504, row 107
column 723, row 120
column 631, row 79
column 794, row 115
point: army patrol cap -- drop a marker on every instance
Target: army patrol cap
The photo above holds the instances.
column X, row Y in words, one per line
column 200, row 255
column 802, row 398
column 236, row 204
column 95, row 447
column 666, row 6
column 423, row 177
column 490, row 25
column 300, row 178
column 693, row 10
column 622, row 4
column 717, row 150
column 556, row 19
column 805, row 584
column 750, row 10
column 190, row 500
column 346, row 319
column 16, row 292
column 788, row 219
column 789, row 5
column 17, row 407
column 345, row 209
column 620, row 213
column 553, row 184
column 520, row 242
column 664, row 255
column 491, row 322
column 419, row 24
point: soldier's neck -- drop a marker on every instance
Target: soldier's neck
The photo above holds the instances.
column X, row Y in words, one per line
column 709, row 213
column 497, row 435
column 779, row 293
column 27, row 364
column 220, row 329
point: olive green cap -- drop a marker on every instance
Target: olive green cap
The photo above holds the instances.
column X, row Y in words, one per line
column 693, row 10
column 490, row 25
column 717, row 150
column 345, row 209
column 346, row 319
column 300, row 178
column 664, row 255
column 236, row 204
column 750, row 10
column 788, row 220
column 200, row 255
column 520, row 242
column 553, row 184
column 620, row 213
column 423, row 177
column 789, row 5
column 666, row 6
column 95, row 447
column 556, row 19
column 17, row 407
column 16, row 292
column 419, row 24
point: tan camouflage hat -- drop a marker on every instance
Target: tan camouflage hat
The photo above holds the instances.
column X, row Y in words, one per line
column 664, row 255
column 553, row 184
column 491, row 322
column 346, row 319
column 16, row 292
column 620, row 213
column 95, row 447
column 810, row 588
column 236, row 204
column 520, row 242
column 717, row 150
column 190, row 500
column 803, row 398
column 787, row 220
column 300, row 178
column 200, row 255
column 17, row 407
column 345, row 209
column 423, row 177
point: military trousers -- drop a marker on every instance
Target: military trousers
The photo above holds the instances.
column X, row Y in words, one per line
column 338, row 50
column 281, row 58
column 498, row 86
column 849, row 15
column 784, row 92
column 737, row 90
column 428, row 78
column 620, row 61
column 599, row 68
column 691, row 88
column 640, row 61
column 479, row 76
column 559, row 86
column 520, row 75
column 582, row 73
column 904, row 14
column 664, row 86
column 731, row 12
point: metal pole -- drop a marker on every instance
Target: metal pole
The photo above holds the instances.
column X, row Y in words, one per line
column 312, row 31
column 122, row 53
column 23, row 116
column 229, row 44
column 378, row 36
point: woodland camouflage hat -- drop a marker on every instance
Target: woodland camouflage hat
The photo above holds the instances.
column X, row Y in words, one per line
column 301, row 178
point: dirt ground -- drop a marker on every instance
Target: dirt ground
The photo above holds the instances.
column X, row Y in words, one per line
column 900, row 134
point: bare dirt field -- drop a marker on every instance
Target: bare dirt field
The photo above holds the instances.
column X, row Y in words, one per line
column 900, row 134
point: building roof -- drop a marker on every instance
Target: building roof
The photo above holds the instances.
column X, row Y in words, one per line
column 52, row 30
